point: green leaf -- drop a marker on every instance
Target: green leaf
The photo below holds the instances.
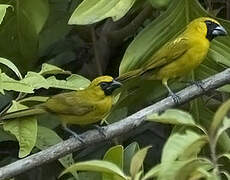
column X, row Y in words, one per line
column 173, row 116
column 13, row 85
column 34, row 98
column 225, row 125
column 97, row 166
column 226, row 174
column 74, row 82
column 182, row 170
column 219, row 117
column 129, row 152
column 11, row 65
column 137, row 161
column 166, row 27
column 24, row 129
column 3, row 8
column 224, row 155
column 4, row 136
column 51, row 69
column 91, row 11
column 115, row 155
column 20, row 29
column 46, row 138
column 183, row 145
column 35, row 80
column 159, row 3
column 152, row 172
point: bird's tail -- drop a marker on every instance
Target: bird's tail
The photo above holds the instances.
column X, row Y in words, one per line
column 23, row 113
column 129, row 75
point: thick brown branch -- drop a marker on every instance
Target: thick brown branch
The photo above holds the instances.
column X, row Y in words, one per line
column 112, row 130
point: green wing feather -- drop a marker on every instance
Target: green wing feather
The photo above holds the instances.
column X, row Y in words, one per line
column 165, row 55
column 72, row 103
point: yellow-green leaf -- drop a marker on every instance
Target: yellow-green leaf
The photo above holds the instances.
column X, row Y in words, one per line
column 137, row 161
column 96, row 166
column 91, row 11
column 24, row 129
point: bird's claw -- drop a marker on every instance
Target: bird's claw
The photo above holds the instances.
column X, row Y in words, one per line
column 175, row 98
column 199, row 84
column 78, row 138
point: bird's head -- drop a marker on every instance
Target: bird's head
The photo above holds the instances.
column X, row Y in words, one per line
column 208, row 27
column 105, row 83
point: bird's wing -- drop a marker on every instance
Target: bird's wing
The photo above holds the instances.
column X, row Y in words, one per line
column 168, row 53
column 71, row 103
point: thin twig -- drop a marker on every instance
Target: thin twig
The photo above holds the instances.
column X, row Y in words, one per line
column 112, row 130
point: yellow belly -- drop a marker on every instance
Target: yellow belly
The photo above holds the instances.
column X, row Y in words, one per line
column 94, row 116
column 183, row 65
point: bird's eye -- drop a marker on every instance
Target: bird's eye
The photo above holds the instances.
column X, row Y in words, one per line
column 103, row 85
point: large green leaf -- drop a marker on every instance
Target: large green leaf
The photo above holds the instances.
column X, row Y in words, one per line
column 3, row 8
column 130, row 151
column 136, row 165
column 10, row 84
column 91, row 11
column 24, row 129
column 11, row 65
column 97, row 166
column 167, row 26
column 183, row 170
column 115, row 155
column 173, row 116
column 183, row 144
column 20, row 29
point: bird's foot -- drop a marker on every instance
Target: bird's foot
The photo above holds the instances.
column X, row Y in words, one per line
column 75, row 135
column 78, row 137
column 175, row 98
column 198, row 83
column 100, row 130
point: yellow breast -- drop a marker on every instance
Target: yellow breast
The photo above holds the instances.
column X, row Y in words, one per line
column 194, row 56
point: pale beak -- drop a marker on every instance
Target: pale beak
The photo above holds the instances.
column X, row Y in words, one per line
column 219, row 31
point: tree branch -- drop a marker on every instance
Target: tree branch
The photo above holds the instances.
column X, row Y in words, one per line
column 116, row 129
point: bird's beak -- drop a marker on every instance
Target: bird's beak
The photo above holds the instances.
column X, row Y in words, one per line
column 219, row 31
column 115, row 85
column 112, row 86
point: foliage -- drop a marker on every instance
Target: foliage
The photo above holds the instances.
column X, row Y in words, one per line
column 51, row 46
column 182, row 156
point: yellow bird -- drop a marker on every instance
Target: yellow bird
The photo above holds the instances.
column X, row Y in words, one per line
column 81, row 107
column 181, row 55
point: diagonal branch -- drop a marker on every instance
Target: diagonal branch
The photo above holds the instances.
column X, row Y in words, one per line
column 112, row 130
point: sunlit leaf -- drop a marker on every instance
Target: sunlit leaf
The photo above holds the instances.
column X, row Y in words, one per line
column 115, row 155
column 183, row 145
column 11, row 65
column 182, row 169
column 97, row 166
column 129, row 152
column 137, row 161
column 173, row 116
column 13, row 85
column 152, row 172
column 91, row 11
column 35, row 80
column 51, row 69
column 74, row 82
column 219, row 118
column 24, row 129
